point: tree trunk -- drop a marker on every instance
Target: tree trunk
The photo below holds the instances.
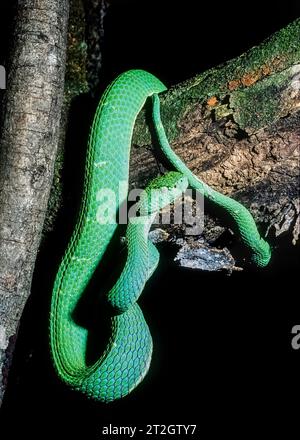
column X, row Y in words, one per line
column 31, row 118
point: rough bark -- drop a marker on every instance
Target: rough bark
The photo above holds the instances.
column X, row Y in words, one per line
column 237, row 127
column 31, row 118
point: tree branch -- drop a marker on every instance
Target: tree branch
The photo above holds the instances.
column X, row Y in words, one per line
column 237, row 127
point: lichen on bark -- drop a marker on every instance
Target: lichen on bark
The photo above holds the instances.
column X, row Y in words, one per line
column 278, row 53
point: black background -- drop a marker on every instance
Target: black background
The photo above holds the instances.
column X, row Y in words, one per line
column 222, row 344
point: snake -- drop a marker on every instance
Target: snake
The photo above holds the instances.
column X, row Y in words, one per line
column 126, row 357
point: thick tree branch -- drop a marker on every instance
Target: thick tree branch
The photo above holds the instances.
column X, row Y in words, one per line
column 237, row 127
column 31, row 117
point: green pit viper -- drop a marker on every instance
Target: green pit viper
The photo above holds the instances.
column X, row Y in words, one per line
column 126, row 358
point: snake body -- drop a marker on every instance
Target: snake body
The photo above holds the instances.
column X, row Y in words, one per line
column 127, row 355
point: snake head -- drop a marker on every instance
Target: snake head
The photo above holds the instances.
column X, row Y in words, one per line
column 163, row 190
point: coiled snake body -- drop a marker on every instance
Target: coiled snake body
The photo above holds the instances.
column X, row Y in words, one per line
column 126, row 359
